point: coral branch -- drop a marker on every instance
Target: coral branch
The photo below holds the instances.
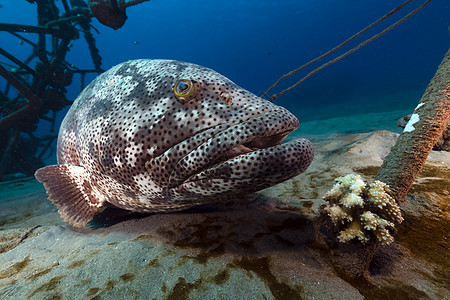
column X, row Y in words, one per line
column 362, row 211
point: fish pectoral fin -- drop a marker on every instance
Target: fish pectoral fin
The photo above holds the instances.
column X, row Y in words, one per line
column 69, row 188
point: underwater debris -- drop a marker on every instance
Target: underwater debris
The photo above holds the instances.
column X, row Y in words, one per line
column 42, row 89
column 112, row 13
column 362, row 211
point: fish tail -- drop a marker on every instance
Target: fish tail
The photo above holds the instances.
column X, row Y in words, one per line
column 69, row 188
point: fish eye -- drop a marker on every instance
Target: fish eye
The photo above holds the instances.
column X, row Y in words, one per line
column 185, row 90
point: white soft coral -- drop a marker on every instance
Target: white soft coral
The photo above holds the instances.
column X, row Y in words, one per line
column 357, row 207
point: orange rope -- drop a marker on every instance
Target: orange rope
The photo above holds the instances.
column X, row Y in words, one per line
column 275, row 96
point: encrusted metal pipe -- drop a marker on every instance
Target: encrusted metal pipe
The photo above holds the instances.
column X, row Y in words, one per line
column 425, row 127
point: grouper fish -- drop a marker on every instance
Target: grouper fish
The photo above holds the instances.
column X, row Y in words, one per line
column 163, row 135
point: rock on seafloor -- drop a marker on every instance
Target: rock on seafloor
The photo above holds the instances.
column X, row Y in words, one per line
column 263, row 246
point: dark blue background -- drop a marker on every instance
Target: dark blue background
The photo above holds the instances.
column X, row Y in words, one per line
column 254, row 42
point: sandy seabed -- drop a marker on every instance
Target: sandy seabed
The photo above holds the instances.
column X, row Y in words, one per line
column 262, row 246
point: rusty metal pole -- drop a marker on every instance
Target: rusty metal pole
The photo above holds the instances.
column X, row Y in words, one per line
column 426, row 125
column 33, row 105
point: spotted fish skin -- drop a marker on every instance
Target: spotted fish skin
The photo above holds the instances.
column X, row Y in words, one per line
column 129, row 141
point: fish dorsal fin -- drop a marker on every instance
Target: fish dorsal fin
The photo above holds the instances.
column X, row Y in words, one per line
column 70, row 189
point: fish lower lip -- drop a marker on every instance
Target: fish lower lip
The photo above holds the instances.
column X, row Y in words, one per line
column 265, row 167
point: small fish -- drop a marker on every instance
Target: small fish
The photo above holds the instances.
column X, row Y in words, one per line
column 165, row 135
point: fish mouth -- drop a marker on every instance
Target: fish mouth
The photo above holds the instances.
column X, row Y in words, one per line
column 236, row 151
column 255, row 134
column 254, row 145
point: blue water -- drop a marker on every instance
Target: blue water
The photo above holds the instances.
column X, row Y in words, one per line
column 255, row 42
column 267, row 244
